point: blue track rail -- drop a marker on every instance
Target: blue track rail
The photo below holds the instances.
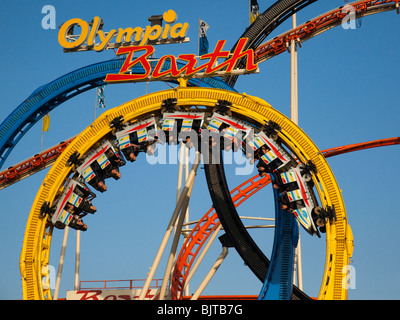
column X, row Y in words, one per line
column 278, row 284
column 49, row 96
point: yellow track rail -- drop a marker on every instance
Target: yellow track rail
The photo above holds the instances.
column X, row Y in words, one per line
column 339, row 239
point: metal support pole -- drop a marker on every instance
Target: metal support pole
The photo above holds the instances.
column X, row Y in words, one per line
column 210, row 274
column 299, row 265
column 186, row 177
column 187, row 210
column 180, row 173
column 294, row 80
column 77, row 258
column 181, row 162
column 202, row 254
column 61, row 263
column 295, row 118
column 249, row 12
column 170, row 227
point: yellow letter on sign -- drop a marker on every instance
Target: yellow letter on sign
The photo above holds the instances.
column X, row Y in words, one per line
column 65, row 28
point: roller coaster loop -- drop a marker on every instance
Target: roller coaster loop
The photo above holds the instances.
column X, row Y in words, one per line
column 339, row 241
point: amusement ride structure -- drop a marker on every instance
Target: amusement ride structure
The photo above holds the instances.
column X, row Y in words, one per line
column 210, row 114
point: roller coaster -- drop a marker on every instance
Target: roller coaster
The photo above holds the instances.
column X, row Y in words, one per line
column 211, row 117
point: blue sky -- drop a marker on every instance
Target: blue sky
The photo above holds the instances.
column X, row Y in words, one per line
column 348, row 93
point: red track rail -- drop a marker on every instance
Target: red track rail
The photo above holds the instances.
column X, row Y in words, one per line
column 320, row 24
column 32, row 165
column 202, row 231
column 360, row 146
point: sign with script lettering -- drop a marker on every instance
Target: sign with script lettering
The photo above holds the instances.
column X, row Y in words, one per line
column 91, row 32
column 106, row 294
column 156, row 71
column 137, row 40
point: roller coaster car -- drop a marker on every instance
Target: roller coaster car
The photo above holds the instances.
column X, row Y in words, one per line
column 100, row 162
column 307, row 169
column 321, row 215
column 297, row 198
column 74, row 159
column 231, row 128
column 45, row 209
column 271, row 129
column 137, row 137
column 169, row 105
column 117, row 124
column 222, row 107
column 272, row 156
column 74, row 201
column 176, row 125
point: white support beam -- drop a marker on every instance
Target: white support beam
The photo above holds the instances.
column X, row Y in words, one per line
column 202, row 254
column 187, row 210
column 294, row 116
column 170, row 227
column 171, row 258
column 210, row 274
column 61, row 263
column 77, row 258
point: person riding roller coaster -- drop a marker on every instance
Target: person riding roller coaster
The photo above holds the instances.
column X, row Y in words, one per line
column 227, row 144
column 76, row 220
column 116, row 161
column 263, row 167
column 173, row 136
column 87, row 196
column 77, row 212
column 110, row 171
column 97, row 181
column 135, row 147
column 285, row 203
